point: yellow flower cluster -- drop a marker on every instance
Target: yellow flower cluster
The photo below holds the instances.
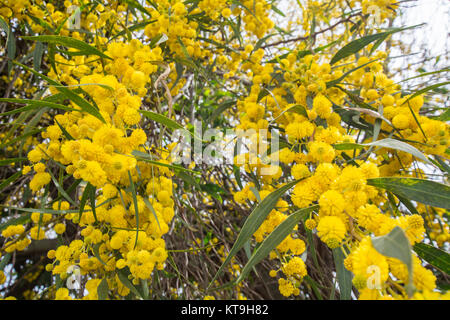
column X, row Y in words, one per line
column 304, row 104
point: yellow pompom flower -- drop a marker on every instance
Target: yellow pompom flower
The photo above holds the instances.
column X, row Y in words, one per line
column 300, row 171
column 131, row 116
column 62, row 294
column 322, row 106
column 39, row 167
column 310, row 224
column 295, row 266
column 26, row 169
column 60, row 228
column 331, row 203
column 321, row 151
column 226, row 13
column 109, row 191
column 388, row 100
column 39, row 180
column 331, row 230
column 285, row 286
column 400, row 121
column 37, row 233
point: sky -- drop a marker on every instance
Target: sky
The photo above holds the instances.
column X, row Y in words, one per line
column 435, row 13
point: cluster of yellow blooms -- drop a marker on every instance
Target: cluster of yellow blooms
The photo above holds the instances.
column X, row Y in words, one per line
column 132, row 201
column 99, row 153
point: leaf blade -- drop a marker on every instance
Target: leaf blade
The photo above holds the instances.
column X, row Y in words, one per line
column 254, row 220
column 425, row 191
column 275, row 238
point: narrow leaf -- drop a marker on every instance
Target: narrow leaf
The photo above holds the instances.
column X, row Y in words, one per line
column 436, row 257
column 69, row 42
column 102, row 290
column 254, row 220
column 386, row 143
column 169, row 123
column 274, row 239
column 344, row 277
column 358, row 44
column 425, row 191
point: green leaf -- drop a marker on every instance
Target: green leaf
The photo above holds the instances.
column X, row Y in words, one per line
column 443, row 165
column 11, row 160
column 396, row 245
column 134, row 27
column 188, row 179
column 142, row 156
column 10, row 180
column 436, row 257
column 37, row 55
column 338, row 80
column 64, row 131
column 299, row 109
column 213, row 189
column 42, row 210
column 4, row 25
column 275, row 9
column 145, row 289
column 41, row 22
column 23, row 219
column 96, row 251
column 237, row 176
column 84, row 198
column 446, row 69
column 92, row 191
column 5, row 260
column 137, row 5
column 136, row 209
column 10, row 42
column 220, row 109
column 169, row 123
column 150, row 207
column 344, row 277
column 358, row 44
column 70, row 42
column 254, row 220
column 102, row 290
column 419, row 92
column 38, row 103
column 256, row 193
column 84, row 105
column 424, row 191
column 158, row 39
column 445, row 116
column 274, row 239
column 22, row 137
column 385, row 143
column 60, row 189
